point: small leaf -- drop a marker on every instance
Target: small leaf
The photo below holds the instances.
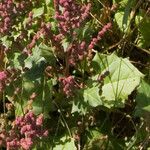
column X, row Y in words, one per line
column 143, row 98
column 38, row 12
column 122, row 21
column 6, row 42
column 47, row 53
column 145, row 32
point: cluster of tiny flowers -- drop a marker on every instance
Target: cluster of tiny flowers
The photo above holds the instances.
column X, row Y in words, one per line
column 3, row 78
column 76, row 52
column 26, row 130
column 100, row 35
column 46, row 31
column 10, row 11
column 68, row 85
column 6, row 8
column 71, row 15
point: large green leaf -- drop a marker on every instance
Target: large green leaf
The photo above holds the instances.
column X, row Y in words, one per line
column 33, row 80
column 123, row 78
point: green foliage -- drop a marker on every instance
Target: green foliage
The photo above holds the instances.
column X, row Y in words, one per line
column 65, row 143
column 122, row 79
column 85, row 98
column 109, row 84
column 143, row 98
column 144, row 30
column 38, row 12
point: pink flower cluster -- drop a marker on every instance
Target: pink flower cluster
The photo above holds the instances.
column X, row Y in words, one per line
column 76, row 52
column 100, row 35
column 71, row 15
column 6, row 8
column 68, row 84
column 26, row 130
column 46, row 31
column 9, row 11
column 3, row 75
column 3, row 78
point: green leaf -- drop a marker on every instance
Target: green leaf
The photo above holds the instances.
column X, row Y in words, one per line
column 95, row 140
column 123, row 78
column 123, row 3
column 122, row 20
column 92, row 97
column 145, row 32
column 33, row 81
column 147, row 108
column 65, row 143
column 6, row 42
column 43, row 101
column 47, row 53
column 41, row 53
column 16, row 62
column 143, row 98
column 127, row 13
column 38, row 12
column 85, row 98
column 79, row 105
column 35, row 59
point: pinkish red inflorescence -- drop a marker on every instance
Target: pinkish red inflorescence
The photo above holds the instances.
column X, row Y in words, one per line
column 25, row 131
column 71, row 16
column 3, row 78
column 100, row 35
column 68, row 84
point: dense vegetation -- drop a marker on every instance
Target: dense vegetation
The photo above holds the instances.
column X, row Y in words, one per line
column 75, row 74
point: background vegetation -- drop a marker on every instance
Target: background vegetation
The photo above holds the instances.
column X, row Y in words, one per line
column 75, row 74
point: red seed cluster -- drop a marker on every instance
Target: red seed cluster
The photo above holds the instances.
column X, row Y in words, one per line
column 6, row 9
column 100, row 35
column 25, row 131
column 3, row 78
column 46, row 31
column 71, row 15
column 76, row 52
column 68, row 85
column 11, row 12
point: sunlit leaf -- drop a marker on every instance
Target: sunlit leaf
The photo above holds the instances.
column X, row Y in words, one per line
column 38, row 12
column 123, row 78
column 65, row 143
